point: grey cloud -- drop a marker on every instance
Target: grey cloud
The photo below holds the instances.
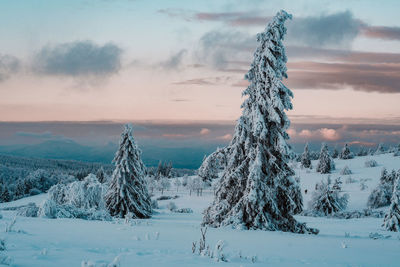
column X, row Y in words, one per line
column 81, row 58
column 219, row 48
column 8, row 66
column 175, row 61
column 338, row 29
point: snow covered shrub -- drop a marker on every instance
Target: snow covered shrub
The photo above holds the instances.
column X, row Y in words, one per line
column 346, row 154
column 184, row 210
column 305, row 158
column 171, row 206
column 382, row 194
column 325, row 164
column 363, row 186
column 380, row 149
column 254, row 191
column 219, row 251
column 327, row 200
column 370, row 163
column 48, row 209
column 30, row 210
column 80, row 199
column 345, row 171
column 86, row 194
column 392, row 218
column 127, row 191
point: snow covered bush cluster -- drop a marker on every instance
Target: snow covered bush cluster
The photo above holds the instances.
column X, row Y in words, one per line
column 80, row 199
column 382, row 194
column 326, row 199
column 370, row 163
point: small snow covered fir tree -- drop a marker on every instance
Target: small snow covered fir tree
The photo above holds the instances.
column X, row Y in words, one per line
column 392, row 218
column 380, row 149
column 335, row 153
column 326, row 198
column 382, row 194
column 128, row 191
column 325, row 164
column 256, row 187
column 346, row 154
column 305, row 158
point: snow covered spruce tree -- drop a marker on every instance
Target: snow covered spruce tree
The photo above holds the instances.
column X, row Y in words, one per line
column 128, row 191
column 257, row 184
column 382, row 194
column 392, row 218
column 326, row 199
column 325, row 164
column 305, row 158
column 346, row 154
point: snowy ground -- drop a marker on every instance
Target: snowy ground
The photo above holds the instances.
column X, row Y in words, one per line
column 69, row 242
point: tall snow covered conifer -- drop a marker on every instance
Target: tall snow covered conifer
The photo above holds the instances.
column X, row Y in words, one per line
column 257, row 185
column 128, row 191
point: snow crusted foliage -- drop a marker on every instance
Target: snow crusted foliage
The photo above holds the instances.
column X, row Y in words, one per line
column 257, row 189
column 382, row 194
column 392, row 218
column 80, row 199
column 325, row 164
column 211, row 165
column 128, row 190
column 326, row 198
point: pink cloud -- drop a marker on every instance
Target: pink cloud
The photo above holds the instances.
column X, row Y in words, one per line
column 226, row 137
column 204, row 131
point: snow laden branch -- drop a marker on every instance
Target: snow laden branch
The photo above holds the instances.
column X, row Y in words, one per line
column 257, row 189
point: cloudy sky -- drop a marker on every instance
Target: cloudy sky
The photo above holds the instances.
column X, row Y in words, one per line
column 184, row 61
